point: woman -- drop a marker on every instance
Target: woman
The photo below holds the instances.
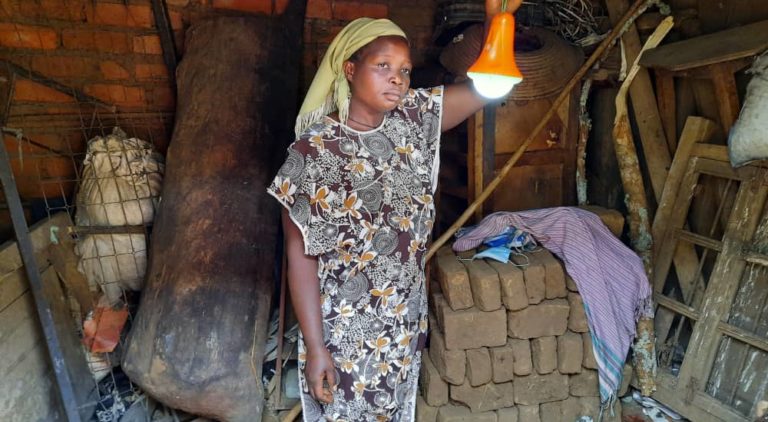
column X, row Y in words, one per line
column 357, row 189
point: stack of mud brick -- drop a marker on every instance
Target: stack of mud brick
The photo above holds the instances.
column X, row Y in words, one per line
column 508, row 343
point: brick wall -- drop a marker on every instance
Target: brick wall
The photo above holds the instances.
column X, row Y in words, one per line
column 508, row 342
column 110, row 49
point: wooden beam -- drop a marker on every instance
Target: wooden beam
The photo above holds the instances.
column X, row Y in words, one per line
column 646, row 112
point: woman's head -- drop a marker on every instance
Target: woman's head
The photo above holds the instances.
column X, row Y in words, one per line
column 330, row 88
column 379, row 73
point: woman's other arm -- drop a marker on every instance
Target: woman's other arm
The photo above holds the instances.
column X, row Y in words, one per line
column 305, row 296
column 461, row 100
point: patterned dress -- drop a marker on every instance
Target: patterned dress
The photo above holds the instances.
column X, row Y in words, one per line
column 364, row 204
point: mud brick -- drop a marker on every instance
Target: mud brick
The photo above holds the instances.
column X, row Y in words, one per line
column 451, row 364
column 577, row 321
column 612, row 219
column 503, row 363
column 570, row 353
column 535, row 389
column 534, row 275
column 26, row 36
column 584, row 384
column 521, row 349
column 570, row 284
column 551, row 412
column 454, row 280
column 570, row 409
column 512, row 283
column 479, row 369
column 484, row 282
column 529, row 414
column 433, row 388
column 590, row 406
column 437, row 305
column 589, row 353
column 425, row 412
column 544, row 351
column 554, row 275
column 549, row 318
column 485, row 397
column 473, row 328
column 508, row 414
column 451, row 413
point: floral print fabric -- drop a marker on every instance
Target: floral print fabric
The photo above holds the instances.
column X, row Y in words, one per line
column 364, row 204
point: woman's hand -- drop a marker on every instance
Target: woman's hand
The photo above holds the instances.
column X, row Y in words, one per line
column 493, row 7
column 320, row 368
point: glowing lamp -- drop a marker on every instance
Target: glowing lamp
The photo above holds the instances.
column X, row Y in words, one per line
column 495, row 72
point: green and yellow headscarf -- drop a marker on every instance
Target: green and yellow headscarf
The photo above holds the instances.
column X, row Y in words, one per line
column 329, row 90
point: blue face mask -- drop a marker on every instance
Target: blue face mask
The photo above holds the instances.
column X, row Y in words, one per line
column 496, row 253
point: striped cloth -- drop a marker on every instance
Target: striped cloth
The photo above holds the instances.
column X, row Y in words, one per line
column 609, row 275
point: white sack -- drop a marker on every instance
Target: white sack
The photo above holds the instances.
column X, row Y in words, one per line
column 748, row 140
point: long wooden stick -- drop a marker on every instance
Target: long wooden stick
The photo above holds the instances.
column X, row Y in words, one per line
column 637, row 8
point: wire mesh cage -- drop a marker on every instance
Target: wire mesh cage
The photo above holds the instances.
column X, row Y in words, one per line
column 88, row 177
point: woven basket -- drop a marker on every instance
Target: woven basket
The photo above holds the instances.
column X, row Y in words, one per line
column 546, row 60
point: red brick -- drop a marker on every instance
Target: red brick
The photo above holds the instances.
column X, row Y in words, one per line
column 137, row 16
column 26, row 90
column 161, row 97
column 26, row 36
column 180, row 3
column 250, row 6
column 69, row 10
column 113, row 71
column 103, row 41
column 144, row 71
column 66, row 67
column 147, row 44
column 350, row 10
column 117, row 94
column 319, row 9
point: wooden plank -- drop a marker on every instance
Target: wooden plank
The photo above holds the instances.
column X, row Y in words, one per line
column 646, row 112
column 64, row 261
column 666, row 98
column 28, row 392
column 731, row 44
column 71, row 349
column 728, row 104
column 474, row 169
column 19, row 333
column 40, row 235
column 701, row 408
column 750, row 201
column 12, row 286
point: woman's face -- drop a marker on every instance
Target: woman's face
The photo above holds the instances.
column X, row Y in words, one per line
column 381, row 75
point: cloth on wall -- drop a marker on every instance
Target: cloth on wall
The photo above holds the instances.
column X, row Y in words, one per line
column 610, row 277
column 121, row 182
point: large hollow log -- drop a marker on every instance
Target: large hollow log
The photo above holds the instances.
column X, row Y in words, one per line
column 198, row 338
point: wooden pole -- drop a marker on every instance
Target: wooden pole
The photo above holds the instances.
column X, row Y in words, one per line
column 637, row 8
